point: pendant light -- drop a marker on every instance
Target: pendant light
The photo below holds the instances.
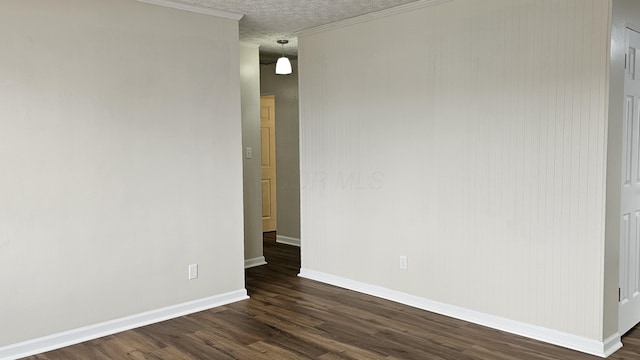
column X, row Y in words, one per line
column 283, row 66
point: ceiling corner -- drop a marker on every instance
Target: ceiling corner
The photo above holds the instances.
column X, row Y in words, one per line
column 195, row 9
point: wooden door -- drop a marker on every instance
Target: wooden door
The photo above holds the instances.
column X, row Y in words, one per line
column 629, row 314
column 268, row 141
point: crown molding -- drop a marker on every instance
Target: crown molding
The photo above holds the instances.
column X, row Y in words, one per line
column 247, row 44
column 194, row 8
column 369, row 17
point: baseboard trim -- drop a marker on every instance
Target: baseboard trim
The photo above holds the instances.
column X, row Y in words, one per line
column 570, row 341
column 258, row 261
column 287, row 240
column 75, row 336
column 612, row 344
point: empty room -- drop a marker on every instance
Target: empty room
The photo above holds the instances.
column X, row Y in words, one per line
column 456, row 179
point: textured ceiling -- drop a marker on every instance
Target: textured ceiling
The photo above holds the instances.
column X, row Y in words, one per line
column 266, row 21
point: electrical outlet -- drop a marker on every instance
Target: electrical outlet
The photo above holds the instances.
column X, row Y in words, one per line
column 403, row 262
column 248, row 153
column 193, row 271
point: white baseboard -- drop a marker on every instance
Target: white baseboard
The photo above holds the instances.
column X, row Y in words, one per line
column 612, row 344
column 260, row 260
column 75, row 336
column 287, row 240
column 574, row 342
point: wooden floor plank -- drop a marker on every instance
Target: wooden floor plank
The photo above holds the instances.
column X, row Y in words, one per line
column 289, row 317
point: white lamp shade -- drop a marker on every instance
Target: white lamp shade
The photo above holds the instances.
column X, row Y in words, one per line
column 283, row 66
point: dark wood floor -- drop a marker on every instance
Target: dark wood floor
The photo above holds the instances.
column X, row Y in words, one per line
column 289, row 317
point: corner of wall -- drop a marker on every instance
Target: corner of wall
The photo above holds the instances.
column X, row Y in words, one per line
column 252, row 191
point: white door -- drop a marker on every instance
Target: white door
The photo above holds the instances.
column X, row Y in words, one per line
column 629, row 314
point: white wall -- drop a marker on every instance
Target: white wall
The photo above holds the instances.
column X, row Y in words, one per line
column 252, row 171
column 625, row 13
column 120, row 145
column 285, row 89
column 470, row 136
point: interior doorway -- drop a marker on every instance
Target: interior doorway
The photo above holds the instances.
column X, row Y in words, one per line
column 284, row 90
